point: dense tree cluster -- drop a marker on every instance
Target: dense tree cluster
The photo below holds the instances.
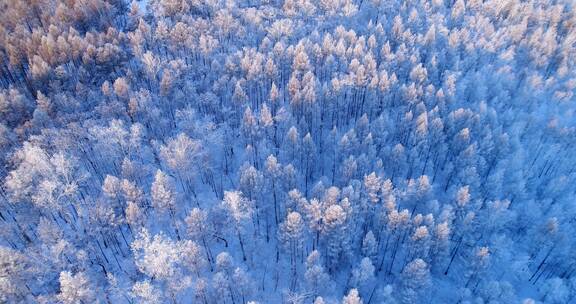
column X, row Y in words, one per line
column 295, row 151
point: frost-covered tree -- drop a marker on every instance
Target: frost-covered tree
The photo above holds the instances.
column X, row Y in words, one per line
column 415, row 281
column 156, row 256
column 291, row 233
column 369, row 245
column 239, row 209
column 315, row 275
column 352, row 298
column 183, row 156
column 363, row 273
column 146, row 292
column 75, row 288
column 333, row 220
column 15, row 271
column 372, row 184
column 163, row 193
column 198, row 228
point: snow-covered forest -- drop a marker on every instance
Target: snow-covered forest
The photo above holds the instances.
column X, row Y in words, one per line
column 288, row 151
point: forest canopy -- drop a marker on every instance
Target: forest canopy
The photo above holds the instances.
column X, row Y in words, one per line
column 287, row 151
